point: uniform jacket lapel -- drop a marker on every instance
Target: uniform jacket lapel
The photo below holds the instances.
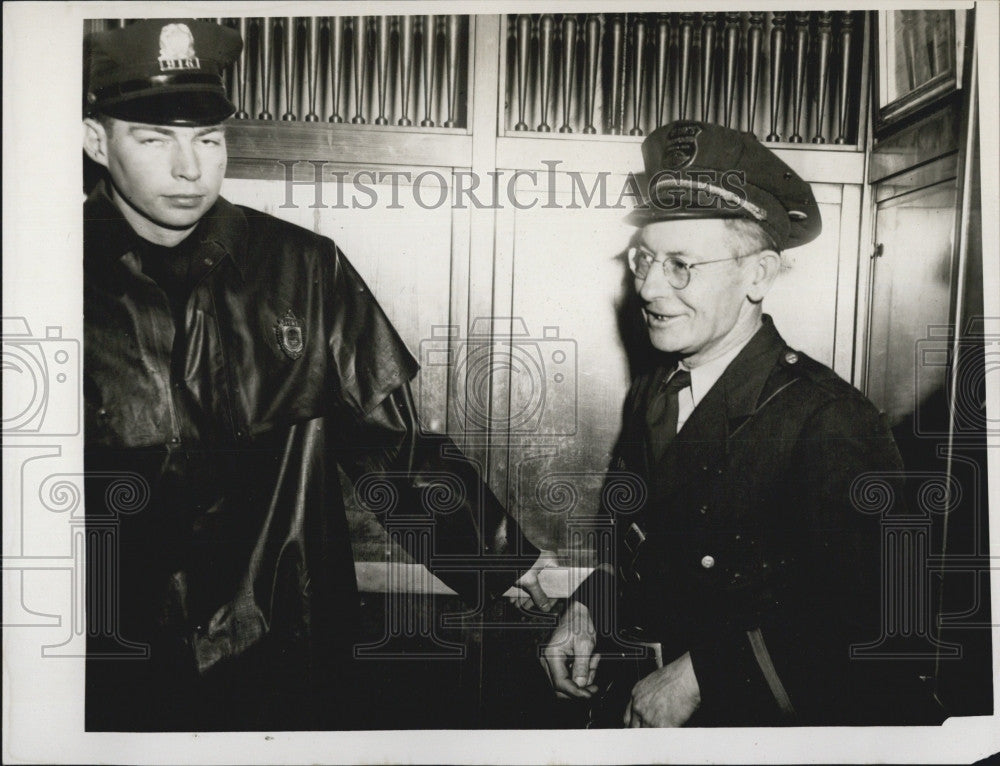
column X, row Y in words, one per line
column 701, row 444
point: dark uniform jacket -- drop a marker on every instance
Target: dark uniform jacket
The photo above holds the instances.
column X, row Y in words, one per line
column 230, row 557
column 757, row 557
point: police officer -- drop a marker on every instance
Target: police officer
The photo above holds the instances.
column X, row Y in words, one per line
column 750, row 573
column 232, row 362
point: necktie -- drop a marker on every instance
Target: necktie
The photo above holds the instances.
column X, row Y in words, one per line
column 661, row 416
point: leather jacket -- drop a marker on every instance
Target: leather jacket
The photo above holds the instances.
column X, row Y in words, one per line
column 233, row 430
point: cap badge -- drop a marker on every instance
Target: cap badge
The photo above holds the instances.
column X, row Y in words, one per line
column 290, row 335
column 682, row 145
column 177, row 48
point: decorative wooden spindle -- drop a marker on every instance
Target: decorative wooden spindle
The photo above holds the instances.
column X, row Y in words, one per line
column 707, row 65
column 846, row 33
column 429, row 38
column 662, row 58
column 824, row 37
column 777, row 60
column 731, row 47
column 266, row 48
column 592, row 37
column 289, row 49
column 685, row 35
column 312, row 65
column 523, row 50
column 754, row 34
column 909, row 47
column 405, row 68
column 227, row 73
column 382, row 65
column 546, row 33
column 336, row 65
column 360, row 58
column 799, row 74
column 451, row 35
column 616, row 35
column 638, row 72
column 243, row 71
column 568, row 37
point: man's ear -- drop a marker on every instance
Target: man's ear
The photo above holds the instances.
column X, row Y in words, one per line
column 95, row 141
column 765, row 268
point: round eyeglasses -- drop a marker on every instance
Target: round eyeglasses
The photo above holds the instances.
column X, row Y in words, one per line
column 677, row 272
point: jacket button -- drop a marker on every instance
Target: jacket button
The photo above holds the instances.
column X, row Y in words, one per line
column 791, row 357
column 708, row 562
column 175, row 440
column 703, row 510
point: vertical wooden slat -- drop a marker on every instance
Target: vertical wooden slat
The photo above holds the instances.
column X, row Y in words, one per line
column 777, row 60
column 707, row 65
column 662, row 53
column 243, row 71
column 616, row 34
column 266, row 38
column 360, row 55
column 755, row 33
column 568, row 67
column 336, row 66
column 843, row 95
column 824, row 38
column 546, row 32
column 405, row 68
column 523, row 48
column 593, row 42
column 638, row 72
column 799, row 74
column 382, row 65
column 451, row 67
column 429, row 38
column 289, row 47
column 686, row 34
column 732, row 46
column 312, row 65
column 909, row 48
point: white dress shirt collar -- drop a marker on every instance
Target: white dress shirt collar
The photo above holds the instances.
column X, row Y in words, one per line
column 703, row 377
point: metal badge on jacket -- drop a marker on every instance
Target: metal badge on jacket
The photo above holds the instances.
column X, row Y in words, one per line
column 290, row 335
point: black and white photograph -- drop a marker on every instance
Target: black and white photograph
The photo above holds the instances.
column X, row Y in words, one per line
column 437, row 382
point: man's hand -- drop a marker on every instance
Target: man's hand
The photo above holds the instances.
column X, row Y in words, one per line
column 666, row 697
column 529, row 581
column 569, row 658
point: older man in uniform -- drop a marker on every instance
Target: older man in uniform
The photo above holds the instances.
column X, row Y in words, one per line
column 232, row 361
column 750, row 573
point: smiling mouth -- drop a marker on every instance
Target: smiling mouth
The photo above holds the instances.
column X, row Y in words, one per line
column 653, row 316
